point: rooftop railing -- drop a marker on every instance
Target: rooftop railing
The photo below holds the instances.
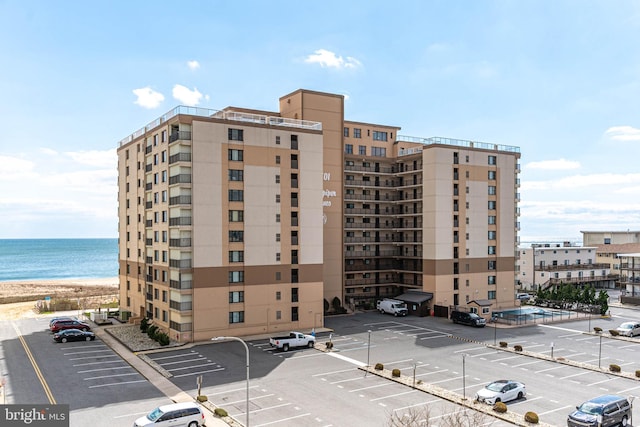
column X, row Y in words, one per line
column 455, row 142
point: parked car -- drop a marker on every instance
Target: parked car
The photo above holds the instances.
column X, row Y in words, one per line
column 629, row 329
column 60, row 325
column 465, row 318
column 186, row 414
column 392, row 306
column 55, row 319
column 501, row 391
column 607, row 410
column 73, row 335
column 294, row 339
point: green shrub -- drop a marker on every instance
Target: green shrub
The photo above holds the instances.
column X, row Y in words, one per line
column 162, row 338
column 597, row 330
column 395, row 373
column 503, row 344
column 614, row 333
column 220, row 412
column 614, row 368
column 517, row 347
column 202, row 398
column 329, row 345
column 531, row 417
column 500, row 407
column 380, row 367
column 151, row 331
column 638, row 373
column 144, row 324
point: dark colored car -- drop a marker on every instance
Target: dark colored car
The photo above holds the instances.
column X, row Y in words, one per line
column 55, row 319
column 466, row 318
column 60, row 325
column 73, row 335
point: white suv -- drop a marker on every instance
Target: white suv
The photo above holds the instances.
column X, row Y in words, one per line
column 177, row 414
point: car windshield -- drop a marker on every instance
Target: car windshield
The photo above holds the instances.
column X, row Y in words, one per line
column 155, row 414
column 590, row 408
column 626, row 326
column 495, row 386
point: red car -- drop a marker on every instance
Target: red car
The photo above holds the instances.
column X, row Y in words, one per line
column 62, row 324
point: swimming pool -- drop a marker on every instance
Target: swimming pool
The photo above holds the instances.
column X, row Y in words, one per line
column 529, row 313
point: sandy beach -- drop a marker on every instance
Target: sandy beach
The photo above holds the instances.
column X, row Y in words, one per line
column 17, row 298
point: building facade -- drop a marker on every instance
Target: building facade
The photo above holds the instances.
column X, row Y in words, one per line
column 239, row 222
column 592, row 238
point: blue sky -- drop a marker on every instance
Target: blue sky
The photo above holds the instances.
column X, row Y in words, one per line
column 560, row 79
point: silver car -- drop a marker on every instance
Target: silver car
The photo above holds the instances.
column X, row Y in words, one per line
column 501, row 391
column 629, row 329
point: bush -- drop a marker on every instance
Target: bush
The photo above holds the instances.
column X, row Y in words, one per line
column 503, row 344
column 531, row 417
column 614, row 368
column 614, row 333
column 597, row 330
column 220, row 412
column 202, row 398
column 144, row 324
column 638, row 373
column 380, row 367
column 329, row 345
column 395, row 373
column 500, row 407
column 517, row 347
column 162, row 338
column 151, row 331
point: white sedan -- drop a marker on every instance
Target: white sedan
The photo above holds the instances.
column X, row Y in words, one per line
column 629, row 329
column 501, row 391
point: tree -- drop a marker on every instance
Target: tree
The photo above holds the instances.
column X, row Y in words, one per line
column 421, row 417
column 603, row 302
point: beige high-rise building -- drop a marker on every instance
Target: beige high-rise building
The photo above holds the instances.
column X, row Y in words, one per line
column 240, row 222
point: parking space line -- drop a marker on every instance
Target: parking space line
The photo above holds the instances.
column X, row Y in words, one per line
column 345, row 381
column 575, row 375
column 483, row 354
column 198, row 373
column 200, row 357
column 585, row 339
column 122, row 383
column 393, row 395
column 527, row 363
column 333, row 372
column 373, row 386
column 98, row 363
column 231, row 391
column 600, row 382
column 549, row 369
column 110, row 376
column 82, row 347
column 192, row 366
column 471, row 349
column 95, row 357
column 506, row 358
column 417, row 404
column 436, row 336
column 555, row 410
column 105, row 369
column 86, row 352
column 284, row 419
column 253, row 398
column 173, row 356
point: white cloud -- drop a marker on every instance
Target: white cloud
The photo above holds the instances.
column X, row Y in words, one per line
column 15, row 168
column 148, row 98
column 328, row 59
column 186, row 96
column 194, row 65
column 560, row 164
column 104, row 159
column 617, row 182
column 623, row 133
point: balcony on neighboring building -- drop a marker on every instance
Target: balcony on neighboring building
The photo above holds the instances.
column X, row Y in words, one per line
column 183, row 178
column 179, row 157
column 181, row 135
column 181, row 306
column 180, row 243
column 180, row 263
column 180, row 200
column 180, row 284
column 181, row 220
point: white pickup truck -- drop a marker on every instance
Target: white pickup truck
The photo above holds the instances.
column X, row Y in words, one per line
column 294, row 339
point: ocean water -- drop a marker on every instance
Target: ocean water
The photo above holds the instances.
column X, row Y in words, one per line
column 42, row 259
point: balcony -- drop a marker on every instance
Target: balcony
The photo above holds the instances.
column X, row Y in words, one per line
column 149, row 242
column 149, row 296
column 148, row 186
column 379, row 197
column 179, row 200
column 373, row 254
column 149, row 278
column 181, row 306
column 148, row 149
column 180, row 243
column 149, row 260
column 177, row 284
column 180, row 157
column 183, row 178
column 370, row 169
column 148, row 205
column 378, row 184
column 180, row 263
column 573, row 267
column 149, row 223
column 148, row 167
column 181, row 220
column 181, row 135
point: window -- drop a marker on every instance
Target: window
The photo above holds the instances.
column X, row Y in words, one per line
column 379, row 136
column 164, row 216
column 277, row 179
column 164, row 296
column 277, row 237
column 491, row 280
column 278, row 295
column 236, row 236
column 348, row 148
column 164, row 176
column 236, row 317
column 236, row 296
column 379, row 151
column 492, row 190
column 357, row 133
column 492, row 205
column 362, row 150
column 294, row 294
column 236, row 195
column 278, row 277
column 345, row 132
column 277, row 160
column 164, row 195
column 236, row 155
column 277, row 217
column 236, row 276
column 236, row 134
column 492, row 160
column 492, row 219
column 277, row 140
column 294, row 314
column 277, row 198
column 236, row 256
column 236, row 216
column 492, row 175
column 235, row 175
column 491, row 250
column 491, row 295
column 492, row 235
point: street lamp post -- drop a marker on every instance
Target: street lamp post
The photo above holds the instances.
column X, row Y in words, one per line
column 600, row 352
column 464, row 384
column 246, row 348
column 368, row 352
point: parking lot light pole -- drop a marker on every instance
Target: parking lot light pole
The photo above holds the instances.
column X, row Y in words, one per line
column 464, row 384
column 600, row 352
column 246, row 348
column 368, row 352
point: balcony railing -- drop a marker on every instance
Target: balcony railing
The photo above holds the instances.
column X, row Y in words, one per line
column 179, row 200
column 181, row 220
column 183, row 178
column 180, row 243
column 180, row 157
column 573, row 267
column 379, row 184
column 149, row 242
column 181, row 306
column 180, row 135
column 177, row 284
column 148, row 186
column 148, row 167
column 180, row 263
column 148, row 205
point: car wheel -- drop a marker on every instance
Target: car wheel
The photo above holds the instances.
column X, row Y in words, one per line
column 497, row 400
column 88, row 338
column 311, row 344
column 520, row 395
column 623, row 423
column 285, row 347
column 63, row 340
column 193, row 424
